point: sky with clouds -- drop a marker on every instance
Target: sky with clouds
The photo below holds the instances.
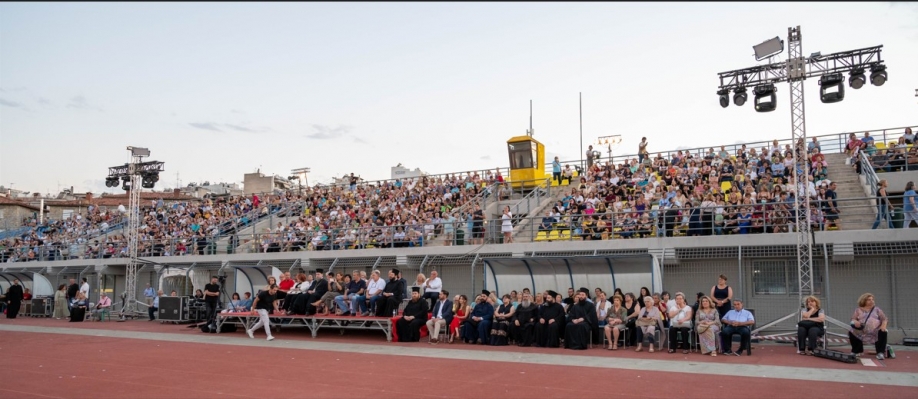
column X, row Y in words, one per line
column 219, row 90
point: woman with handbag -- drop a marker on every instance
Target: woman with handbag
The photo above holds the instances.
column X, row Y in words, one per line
column 810, row 327
column 616, row 317
column 708, row 326
column 647, row 324
column 868, row 326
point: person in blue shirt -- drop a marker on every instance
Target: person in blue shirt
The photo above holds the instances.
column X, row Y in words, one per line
column 736, row 321
column 477, row 327
column 909, row 205
column 547, row 222
column 744, row 220
column 151, row 311
column 556, row 170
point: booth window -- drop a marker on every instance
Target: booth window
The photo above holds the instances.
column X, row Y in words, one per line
column 522, row 155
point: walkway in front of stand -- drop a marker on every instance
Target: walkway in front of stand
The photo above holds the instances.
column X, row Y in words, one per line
column 150, row 360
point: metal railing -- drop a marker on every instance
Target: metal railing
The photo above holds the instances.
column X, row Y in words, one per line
column 771, row 217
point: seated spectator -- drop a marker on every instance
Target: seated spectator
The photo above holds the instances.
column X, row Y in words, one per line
column 478, row 325
column 909, row 136
column 375, row 288
column 868, row 326
column 736, row 321
column 707, row 325
column 680, row 322
column 441, row 317
column 413, row 318
column 79, row 307
column 814, row 146
column 234, row 305
column 811, row 326
column 500, row 327
column 647, row 323
column 347, row 301
column 461, row 311
column 432, row 287
column 547, row 222
column 616, row 318
column 105, row 304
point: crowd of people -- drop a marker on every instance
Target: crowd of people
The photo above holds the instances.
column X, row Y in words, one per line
column 548, row 319
column 749, row 191
column 393, row 213
column 721, row 192
column 175, row 229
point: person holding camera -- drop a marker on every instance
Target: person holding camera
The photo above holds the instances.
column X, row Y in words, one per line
column 810, row 326
column 868, row 326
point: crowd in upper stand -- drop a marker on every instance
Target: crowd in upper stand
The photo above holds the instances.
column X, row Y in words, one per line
column 391, row 213
column 388, row 213
column 166, row 229
column 749, row 191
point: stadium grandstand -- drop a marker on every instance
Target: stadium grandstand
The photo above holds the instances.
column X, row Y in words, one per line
column 694, row 214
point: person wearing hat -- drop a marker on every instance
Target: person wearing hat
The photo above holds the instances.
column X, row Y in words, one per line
column 477, row 326
column 550, row 317
column 582, row 321
column 413, row 318
column 391, row 296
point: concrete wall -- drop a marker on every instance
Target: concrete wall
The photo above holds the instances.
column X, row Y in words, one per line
column 13, row 215
column 257, row 183
column 897, row 180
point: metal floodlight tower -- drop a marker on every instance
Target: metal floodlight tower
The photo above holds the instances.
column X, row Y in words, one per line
column 135, row 176
column 794, row 71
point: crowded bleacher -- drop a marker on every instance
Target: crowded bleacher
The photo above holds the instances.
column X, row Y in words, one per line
column 695, row 193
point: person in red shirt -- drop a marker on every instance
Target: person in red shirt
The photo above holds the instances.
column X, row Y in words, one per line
column 27, row 295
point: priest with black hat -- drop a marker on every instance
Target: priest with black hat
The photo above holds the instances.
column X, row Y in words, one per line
column 477, row 327
column 551, row 315
column 581, row 321
column 524, row 321
column 391, row 296
column 316, row 292
column 413, row 318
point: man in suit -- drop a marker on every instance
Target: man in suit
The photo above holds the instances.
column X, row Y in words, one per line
column 440, row 317
column 13, row 299
column 317, row 292
column 301, row 302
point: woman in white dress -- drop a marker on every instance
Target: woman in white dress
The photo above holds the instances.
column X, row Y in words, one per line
column 506, row 225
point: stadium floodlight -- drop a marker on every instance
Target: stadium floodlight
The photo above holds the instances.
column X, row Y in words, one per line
column 126, row 183
column 724, row 97
column 139, row 151
column 831, row 88
column 739, row 96
column 765, row 98
column 878, row 75
column 857, row 79
column 768, row 48
column 149, row 179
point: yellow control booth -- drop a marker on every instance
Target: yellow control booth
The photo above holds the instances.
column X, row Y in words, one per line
column 527, row 161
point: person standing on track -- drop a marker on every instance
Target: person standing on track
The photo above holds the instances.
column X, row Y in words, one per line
column 262, row 306
column 211, row 300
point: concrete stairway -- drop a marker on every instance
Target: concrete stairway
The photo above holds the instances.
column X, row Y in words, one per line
column 857, row 211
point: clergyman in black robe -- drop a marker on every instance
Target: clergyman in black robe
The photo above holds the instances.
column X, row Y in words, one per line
column 391, row 296
column 551, row 315
column 13, row 299
column 524, row 321
column 413, row 318
column 582, row 318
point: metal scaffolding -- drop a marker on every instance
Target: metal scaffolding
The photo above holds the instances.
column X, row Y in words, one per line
column 795, row 70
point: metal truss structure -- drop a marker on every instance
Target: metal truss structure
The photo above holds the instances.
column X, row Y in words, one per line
column 795, row 70
column 134, row 172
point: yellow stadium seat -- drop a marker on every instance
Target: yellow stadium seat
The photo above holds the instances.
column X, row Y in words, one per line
column 542, row 236
column 881, row 146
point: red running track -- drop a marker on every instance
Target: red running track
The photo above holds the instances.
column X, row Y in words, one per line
column 70, row 366
column 769, row 354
